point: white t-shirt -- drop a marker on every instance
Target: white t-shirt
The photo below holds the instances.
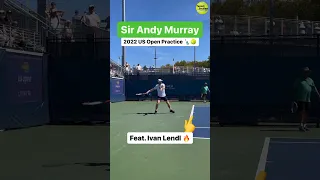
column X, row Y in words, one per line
column 161, row 93
column 139, row 68
column 91, row 20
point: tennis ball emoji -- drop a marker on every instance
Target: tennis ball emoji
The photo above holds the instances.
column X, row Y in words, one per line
column 188, row 126
column 202, row 7
column 193, row 41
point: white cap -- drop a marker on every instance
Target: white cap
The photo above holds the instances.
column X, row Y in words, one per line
column 160, row 80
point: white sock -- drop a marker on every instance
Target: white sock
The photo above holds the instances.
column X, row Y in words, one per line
column 302, row 125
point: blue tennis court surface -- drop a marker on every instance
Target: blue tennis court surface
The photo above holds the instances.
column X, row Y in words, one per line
column 290, row 159
column 201, row 119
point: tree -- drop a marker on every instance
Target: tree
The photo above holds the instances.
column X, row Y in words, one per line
column 145, row 68
column 166, row 66
column 184, row 63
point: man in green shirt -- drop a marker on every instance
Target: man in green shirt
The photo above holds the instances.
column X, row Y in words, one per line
column 303, row 88
column 204, row 91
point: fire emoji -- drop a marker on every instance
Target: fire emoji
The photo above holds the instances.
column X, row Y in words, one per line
column 186, row 138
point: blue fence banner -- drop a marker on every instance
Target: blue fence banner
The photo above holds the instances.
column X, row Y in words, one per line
column 117, row 86
column 117, row 89
column 24, row 98
column 23, row 78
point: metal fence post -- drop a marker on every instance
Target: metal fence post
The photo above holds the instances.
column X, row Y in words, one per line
column 312, row 26
column 34, row 41
column 318, row 45
column 235, row 24
column 281, row 27
column 265, row 27
column 297, row 20
column 249, row 25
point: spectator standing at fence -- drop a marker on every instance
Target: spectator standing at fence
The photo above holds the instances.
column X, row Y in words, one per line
column 139, row 69
column 111, row 70
column 219, row 25
column 14, row 39
column 127, row 66
column 92, row 21
column 2, row 16
column 8, row 18
column 53, row 16
column 76, row 19
column 302, row 28
column 67, row 31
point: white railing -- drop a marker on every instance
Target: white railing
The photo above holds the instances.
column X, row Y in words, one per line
column 17, row 38
column 251, row 25
column 18, row 6
column 178, row 70
column 116, row 69
column 80, row 32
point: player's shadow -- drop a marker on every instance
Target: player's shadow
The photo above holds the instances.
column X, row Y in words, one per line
column 107, row 165
column 146, row 113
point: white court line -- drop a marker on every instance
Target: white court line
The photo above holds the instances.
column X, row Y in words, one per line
column 200, row 138
column 297, row 142
column 192, row 111
column 263, row 157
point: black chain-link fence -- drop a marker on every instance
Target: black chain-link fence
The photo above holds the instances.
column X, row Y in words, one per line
column 79, row 76
column 252, row 77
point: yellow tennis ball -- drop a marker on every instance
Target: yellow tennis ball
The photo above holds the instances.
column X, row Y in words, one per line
column 193, row 41
column 202, row 7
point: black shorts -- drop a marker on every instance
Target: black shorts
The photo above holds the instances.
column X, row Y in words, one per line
column 303, row 106
column 163, row 98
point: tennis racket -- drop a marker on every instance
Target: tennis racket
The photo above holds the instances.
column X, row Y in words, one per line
column 294, row 107
column 141, row 94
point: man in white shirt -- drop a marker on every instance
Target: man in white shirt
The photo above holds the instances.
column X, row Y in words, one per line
column 127, row 66
column 139, row 69
column 92, row 21
column 161, row 90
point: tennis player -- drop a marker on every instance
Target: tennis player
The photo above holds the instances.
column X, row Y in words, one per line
column 204, row 92
column 303, row 88
column 161, row 89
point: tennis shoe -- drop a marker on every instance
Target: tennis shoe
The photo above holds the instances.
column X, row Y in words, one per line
column 306, row 128
column 302, row 129
column 172, row 111
column 155, row 112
